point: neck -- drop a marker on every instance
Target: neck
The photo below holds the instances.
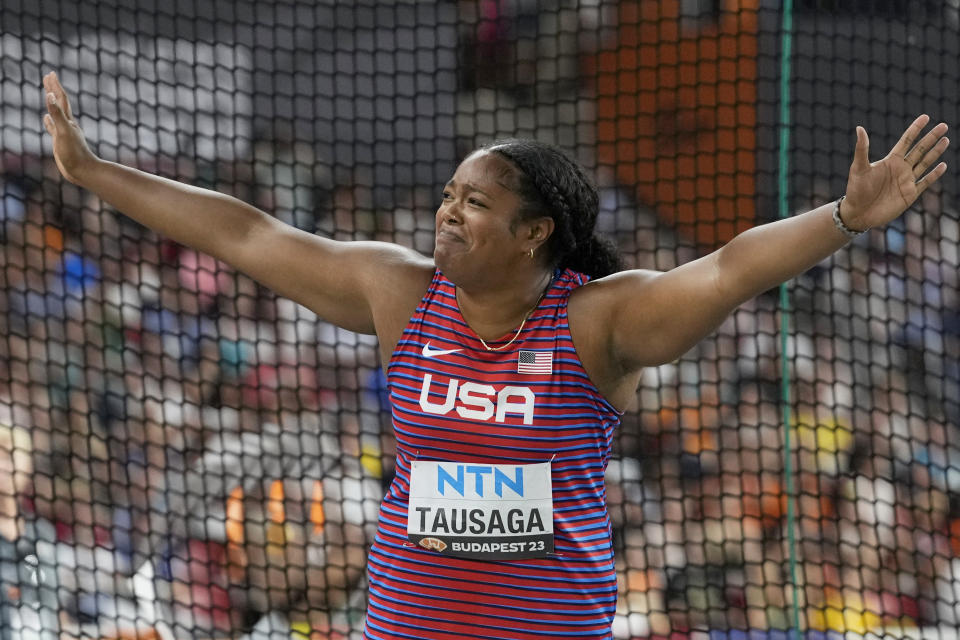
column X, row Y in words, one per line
column 492, row 313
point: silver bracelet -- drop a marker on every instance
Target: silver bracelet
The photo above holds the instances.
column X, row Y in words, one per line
column 838, row 222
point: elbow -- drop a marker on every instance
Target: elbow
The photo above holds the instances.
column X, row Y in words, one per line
column 736, row 276
column 720, row 280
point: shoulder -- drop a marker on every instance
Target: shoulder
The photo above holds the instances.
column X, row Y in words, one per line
column 594, row 311
column 603, row 294
column 395, row 287
column 594, row 306
column 400, row 271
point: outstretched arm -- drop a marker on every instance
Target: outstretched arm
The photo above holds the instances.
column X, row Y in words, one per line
column 654, row 318
column 340, row 281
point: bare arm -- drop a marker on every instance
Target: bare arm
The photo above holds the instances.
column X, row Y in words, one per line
column 676, row 309
column 652, row 318
column 342, row 282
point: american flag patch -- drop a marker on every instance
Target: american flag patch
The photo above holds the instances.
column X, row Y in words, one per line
column 535, row 362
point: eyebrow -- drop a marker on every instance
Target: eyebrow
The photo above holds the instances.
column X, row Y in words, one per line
column 469, row 187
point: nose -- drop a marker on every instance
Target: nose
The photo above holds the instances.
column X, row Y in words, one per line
column 450, row 213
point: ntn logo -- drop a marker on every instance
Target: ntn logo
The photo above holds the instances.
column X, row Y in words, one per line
column 458, row 482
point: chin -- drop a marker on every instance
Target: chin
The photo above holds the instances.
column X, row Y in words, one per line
column 443, row 260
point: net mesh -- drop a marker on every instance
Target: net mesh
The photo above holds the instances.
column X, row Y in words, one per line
column 186, row 455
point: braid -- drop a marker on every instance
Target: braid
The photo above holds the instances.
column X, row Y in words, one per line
column 551, row 183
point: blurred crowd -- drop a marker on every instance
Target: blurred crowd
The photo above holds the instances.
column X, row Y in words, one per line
column 186, row 455
column 164, row 416
column 151, row 397
column 872, row 337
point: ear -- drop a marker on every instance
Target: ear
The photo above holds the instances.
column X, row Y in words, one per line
column 539, row 231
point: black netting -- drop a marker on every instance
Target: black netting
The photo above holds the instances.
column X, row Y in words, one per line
column 188, row 455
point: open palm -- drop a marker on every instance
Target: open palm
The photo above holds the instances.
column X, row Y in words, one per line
column 880, row 191
column 70, row 150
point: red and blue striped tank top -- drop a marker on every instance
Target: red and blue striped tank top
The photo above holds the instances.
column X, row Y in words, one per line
column 553, row 412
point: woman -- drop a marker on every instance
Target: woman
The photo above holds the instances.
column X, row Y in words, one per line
column 496, row 526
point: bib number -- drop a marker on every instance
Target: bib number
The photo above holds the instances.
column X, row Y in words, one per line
column 495, row 511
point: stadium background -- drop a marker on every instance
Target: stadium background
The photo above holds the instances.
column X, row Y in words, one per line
column 186, row 455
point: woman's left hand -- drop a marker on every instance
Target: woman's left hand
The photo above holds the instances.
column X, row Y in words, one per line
column 880, row 191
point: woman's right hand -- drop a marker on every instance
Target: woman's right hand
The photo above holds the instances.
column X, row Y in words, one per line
column 70, row 149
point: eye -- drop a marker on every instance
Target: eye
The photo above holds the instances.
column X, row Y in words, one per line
column 446, row 195
column 475, row 203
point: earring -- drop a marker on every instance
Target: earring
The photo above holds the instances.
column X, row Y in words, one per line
column 531, row 254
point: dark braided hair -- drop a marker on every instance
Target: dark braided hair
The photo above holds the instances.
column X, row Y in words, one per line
column 550, row 183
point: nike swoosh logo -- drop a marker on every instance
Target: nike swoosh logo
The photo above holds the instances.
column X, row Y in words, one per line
column 433, row 353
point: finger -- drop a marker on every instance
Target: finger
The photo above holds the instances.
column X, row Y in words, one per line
column 52, row 86
column 49, row 87
column 61, row 94
column 920, row 149
column 931, row 156
column 924, row 183
column 906, row 140
column 54, row 109
column 861, row 154
column 49, row 125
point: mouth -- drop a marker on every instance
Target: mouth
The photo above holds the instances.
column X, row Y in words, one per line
column 445, row 235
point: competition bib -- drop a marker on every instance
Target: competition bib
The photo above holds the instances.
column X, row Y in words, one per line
column 483, row 511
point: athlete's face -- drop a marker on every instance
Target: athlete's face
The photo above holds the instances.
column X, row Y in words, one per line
column 477, row 230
